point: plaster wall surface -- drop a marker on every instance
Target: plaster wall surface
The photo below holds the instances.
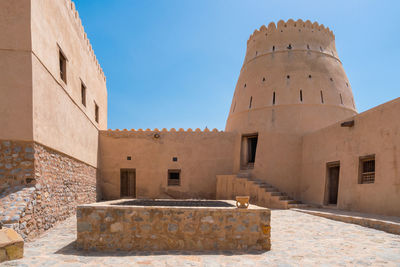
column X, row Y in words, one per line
column 60, row 119
column 200, row 157
column 15, row 71
column 376, row 131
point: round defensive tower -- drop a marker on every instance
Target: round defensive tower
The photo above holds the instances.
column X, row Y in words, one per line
column 291, row 81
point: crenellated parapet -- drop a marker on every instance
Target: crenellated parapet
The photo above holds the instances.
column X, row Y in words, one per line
column 189, row 130
column 291, row 36
column 74, row 13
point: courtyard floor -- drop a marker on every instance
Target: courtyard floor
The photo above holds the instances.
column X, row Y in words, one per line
column 297, row 239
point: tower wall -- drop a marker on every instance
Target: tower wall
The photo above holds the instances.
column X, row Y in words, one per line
column 292, row 81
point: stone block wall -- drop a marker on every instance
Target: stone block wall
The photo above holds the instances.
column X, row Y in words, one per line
column 57, row 184
column 16, row 163
column 106, row 227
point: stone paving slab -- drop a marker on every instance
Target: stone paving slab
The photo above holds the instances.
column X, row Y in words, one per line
column 298, row 239
column 388, row 224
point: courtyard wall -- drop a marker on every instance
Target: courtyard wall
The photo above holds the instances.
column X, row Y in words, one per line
column 200, row 157
column 375, row 132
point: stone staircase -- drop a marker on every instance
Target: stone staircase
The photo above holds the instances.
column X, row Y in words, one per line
column 261, row 193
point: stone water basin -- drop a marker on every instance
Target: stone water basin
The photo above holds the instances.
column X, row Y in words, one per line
column 161, row 225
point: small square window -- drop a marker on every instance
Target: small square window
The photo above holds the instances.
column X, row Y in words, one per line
column 128, row 158
column 96, row 112
column 174, row 177
column 367, row 170
column 83, row 94
column 63, row 66
column 174, row 159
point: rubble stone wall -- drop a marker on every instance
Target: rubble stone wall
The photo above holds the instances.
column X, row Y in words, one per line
column 57, row 184
column 107, row 226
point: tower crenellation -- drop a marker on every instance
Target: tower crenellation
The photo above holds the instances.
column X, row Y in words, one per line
column 291, row 35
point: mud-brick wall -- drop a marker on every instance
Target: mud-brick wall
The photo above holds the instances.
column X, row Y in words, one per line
column 57, row 184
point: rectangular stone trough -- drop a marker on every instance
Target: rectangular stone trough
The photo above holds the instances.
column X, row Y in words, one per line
column 160, row 225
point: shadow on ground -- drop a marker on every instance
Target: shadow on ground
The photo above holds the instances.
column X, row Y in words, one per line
column 71, row 249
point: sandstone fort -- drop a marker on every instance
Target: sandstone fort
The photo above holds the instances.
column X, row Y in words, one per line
column 293, row 137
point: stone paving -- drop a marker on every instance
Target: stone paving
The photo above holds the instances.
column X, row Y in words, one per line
column 298, row 239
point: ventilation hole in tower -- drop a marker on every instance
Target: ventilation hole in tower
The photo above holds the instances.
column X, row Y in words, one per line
column 341, row 99
column 263, row 79
column 273, row 98
column 273, row 48
column 331, row 79
column 309, row 76
column 251, row 100
column 301, row 96
column 244, row 85
column 308, row 47
column 288, row 77
column 347, row 85
column 322, row 97
column 234, row 107
column 256, row 53
column 289, row 46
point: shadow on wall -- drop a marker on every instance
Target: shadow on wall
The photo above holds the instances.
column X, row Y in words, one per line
column 71, row 249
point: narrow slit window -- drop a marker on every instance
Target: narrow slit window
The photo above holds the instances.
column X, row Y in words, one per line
column 96, row 112
column 289, row 46
column 63, row 66
column 273, row 48
column 322, row 97
column 251, row 101
column 341, row 99
column 273, row 98
column 234, row 107
column 263, row 79
column 83, row 94
column 308, row 46
column 301, row 95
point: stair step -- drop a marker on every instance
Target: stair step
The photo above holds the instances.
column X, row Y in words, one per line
column 292, row 206
column 276, row 193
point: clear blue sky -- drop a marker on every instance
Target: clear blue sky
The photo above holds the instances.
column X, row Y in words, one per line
column 175, row 63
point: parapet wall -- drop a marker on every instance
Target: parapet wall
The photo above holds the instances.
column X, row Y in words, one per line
column 291, row 35
column 78, row 24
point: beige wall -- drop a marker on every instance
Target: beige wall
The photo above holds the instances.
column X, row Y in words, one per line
column 376, row 131
column 60, row 120
column 15, row 70
column 201, row 156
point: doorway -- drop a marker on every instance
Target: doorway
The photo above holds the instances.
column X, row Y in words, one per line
column 332, row 183
column 249, row 149
column 128, row 183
